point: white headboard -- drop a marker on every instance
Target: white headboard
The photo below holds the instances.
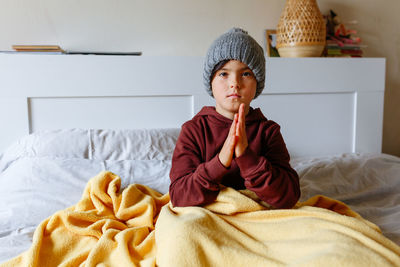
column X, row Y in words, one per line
column 324, row 105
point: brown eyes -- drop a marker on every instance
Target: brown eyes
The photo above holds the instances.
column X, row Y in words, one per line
column 223, row 74
column 247, row 73
column 244, row 74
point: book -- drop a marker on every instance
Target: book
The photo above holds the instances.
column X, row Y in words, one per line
column 37, row 48
column 103, row 53
column 55, row 49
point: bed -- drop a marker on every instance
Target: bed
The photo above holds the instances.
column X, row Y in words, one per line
column 71, row 117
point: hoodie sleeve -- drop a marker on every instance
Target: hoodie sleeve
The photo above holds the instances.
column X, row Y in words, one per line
column 193, row 181
column 270, row 175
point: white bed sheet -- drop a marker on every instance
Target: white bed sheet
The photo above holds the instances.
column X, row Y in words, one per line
column 368, row 183
column 47, row 171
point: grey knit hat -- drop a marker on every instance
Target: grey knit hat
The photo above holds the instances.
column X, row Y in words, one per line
column 235, row 44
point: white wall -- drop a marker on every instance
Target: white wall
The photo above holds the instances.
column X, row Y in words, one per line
column 155, row 27
column 187, row 27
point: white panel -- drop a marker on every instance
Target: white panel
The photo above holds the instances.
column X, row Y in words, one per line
column 13, row 120
column 312, row 124
column 110, row 112
column 369, row 122
column 295, row 75
column 80, row 75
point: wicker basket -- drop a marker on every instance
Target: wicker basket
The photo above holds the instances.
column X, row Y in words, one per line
column 301, row 31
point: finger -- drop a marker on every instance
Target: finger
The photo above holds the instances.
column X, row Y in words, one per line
column 232, row 144
column 234, row 125
column 241, row 121
column 237, row 133
column 230, row 141
column 241, row 109
column 228, row 149
column 240, row 118
column 232, row 132
column 231, row 148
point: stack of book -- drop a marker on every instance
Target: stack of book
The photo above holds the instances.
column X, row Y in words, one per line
column 340, row 49
column 38, row 49
column 55, row 49
column 340, row 40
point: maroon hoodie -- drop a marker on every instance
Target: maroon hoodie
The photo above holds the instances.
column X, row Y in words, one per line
column 263, row 168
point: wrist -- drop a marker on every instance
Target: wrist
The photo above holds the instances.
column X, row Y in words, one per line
column 240, row 150
column 224, row 162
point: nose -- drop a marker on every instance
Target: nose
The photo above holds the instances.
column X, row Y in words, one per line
column 234, row 82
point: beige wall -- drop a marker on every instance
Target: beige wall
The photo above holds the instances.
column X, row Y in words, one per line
column 186, row 27
column 379, row 23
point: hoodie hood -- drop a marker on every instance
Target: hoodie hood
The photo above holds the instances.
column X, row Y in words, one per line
column 214, row 116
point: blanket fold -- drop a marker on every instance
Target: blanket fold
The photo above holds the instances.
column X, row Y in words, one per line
column 238, row 230
column 138, row 226
column 105, row 227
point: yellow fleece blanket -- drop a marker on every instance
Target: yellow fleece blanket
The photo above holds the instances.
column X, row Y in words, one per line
column 139, row 227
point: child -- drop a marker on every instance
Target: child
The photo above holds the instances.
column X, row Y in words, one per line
column 232, row 144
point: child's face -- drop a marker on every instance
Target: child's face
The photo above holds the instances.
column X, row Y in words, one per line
column 232, row 85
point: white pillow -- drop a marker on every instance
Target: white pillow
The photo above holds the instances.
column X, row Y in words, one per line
column 135, row 144
column 145, row 144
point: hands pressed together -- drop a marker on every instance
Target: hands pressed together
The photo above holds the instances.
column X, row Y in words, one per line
column 236, row 141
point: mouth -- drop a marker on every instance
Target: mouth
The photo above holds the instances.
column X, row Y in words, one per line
column 234, row 96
